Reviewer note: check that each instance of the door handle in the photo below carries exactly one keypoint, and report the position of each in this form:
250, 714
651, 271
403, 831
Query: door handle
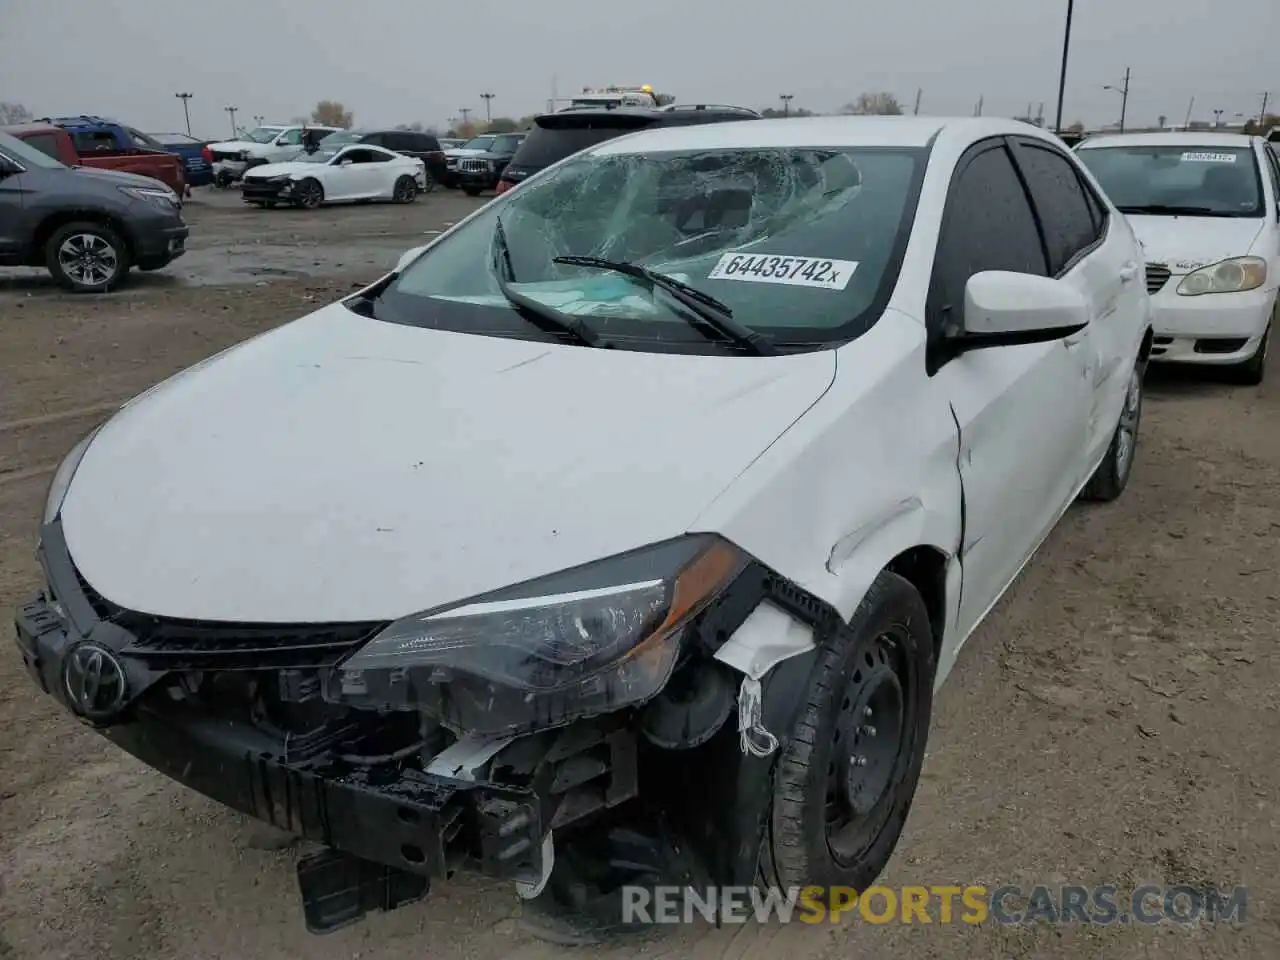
1128, 272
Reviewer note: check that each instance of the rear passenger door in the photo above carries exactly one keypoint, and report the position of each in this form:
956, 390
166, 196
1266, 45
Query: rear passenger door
1022, 411
1101, 260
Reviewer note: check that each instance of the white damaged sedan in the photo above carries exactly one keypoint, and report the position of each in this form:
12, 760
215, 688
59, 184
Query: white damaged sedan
336, 174
643, 511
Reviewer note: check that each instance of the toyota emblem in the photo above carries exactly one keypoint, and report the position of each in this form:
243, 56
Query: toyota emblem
94, 681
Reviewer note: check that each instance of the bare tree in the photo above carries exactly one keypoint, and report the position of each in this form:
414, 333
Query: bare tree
878, 103
13, 113
332, 113
774, 113
502, 125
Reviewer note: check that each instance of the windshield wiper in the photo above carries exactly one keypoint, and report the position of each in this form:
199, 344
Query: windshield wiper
1172, 210
705, 307
539, 314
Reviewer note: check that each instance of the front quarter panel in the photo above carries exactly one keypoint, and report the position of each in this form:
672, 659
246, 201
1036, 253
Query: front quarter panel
866, 474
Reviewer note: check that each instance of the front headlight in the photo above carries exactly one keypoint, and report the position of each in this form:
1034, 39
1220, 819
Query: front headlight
1229, 276
157, 196
587, 641
62, 477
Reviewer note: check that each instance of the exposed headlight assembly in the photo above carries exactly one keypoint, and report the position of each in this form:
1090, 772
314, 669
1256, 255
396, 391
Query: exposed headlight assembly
1228, 276
590, 640
62, 477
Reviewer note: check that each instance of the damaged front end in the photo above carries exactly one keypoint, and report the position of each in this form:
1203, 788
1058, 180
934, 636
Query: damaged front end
596, 705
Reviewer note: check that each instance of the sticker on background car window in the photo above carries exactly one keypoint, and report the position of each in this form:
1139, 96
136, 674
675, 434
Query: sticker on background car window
793, 271
1209, 158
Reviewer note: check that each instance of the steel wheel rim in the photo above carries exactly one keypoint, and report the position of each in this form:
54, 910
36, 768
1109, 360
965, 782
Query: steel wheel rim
1127, 433
88, 259
870, 749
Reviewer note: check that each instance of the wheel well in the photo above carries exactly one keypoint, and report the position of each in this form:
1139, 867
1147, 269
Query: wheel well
1144, 351
925, 568
54, 221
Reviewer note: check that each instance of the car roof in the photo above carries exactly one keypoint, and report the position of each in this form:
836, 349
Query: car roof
1172, 138
842, 131
20, 130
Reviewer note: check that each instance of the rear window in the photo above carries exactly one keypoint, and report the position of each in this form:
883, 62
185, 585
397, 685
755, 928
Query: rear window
547, 145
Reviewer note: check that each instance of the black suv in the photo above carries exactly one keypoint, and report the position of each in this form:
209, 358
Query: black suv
409, 142
557, 135
483, 171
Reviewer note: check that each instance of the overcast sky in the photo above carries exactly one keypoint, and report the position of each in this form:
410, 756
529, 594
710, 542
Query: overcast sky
397, 61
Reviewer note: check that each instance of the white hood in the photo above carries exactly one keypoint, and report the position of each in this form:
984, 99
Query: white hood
1188, 243
290, 167
340, 468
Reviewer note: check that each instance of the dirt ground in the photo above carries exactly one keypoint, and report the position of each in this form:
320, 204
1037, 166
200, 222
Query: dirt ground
1114, 722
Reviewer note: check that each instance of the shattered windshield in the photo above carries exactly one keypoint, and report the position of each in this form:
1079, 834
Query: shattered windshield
801, 242
262, 134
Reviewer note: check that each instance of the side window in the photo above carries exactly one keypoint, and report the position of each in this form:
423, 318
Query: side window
380, 140
141, 141
1069, 224
290, 138
1273, 162
46, 143
97, 142
987, 225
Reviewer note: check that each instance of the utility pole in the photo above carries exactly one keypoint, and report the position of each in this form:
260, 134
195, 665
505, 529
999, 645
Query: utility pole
1124, 96
919, 94
184, 97
488, 117
1190, 106
1040, 115
232, 111
977, 111
1262, 117
1062, 73
786, 99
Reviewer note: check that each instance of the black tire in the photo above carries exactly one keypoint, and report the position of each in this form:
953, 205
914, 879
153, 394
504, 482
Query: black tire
883, 663
102, 264
310, 194
1112, 475
1254, 370
405, 190
471, 191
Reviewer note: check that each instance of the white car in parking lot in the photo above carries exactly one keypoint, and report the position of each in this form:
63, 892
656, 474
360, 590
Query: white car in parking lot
1206, 207
336, 174
709, 446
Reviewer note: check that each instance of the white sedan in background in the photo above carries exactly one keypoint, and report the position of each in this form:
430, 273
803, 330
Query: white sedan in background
791, 403
358, 172
1206, 207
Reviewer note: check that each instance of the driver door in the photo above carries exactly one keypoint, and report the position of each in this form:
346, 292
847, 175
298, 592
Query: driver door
354, 176
1022, 411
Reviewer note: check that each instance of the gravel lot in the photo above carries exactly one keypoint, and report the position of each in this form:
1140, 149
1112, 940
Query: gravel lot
1114, 722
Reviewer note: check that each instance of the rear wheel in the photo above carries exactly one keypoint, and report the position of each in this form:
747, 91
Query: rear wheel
310, 194
846, 778
87, 257
406, 190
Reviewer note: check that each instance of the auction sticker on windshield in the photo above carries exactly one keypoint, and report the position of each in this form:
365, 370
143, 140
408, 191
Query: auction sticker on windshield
1209, 158
793, 271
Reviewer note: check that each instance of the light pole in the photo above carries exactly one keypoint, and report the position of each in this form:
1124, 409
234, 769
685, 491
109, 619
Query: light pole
488, 117
1124, 96
259, 119
232, 112
1217, 117
786, 99
184, 97
1062, 73
464, 111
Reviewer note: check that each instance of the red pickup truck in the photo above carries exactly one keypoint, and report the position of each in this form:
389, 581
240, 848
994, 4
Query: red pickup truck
57, 143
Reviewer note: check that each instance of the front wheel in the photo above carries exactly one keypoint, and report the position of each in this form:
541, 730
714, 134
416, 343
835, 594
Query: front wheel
1252, 371
87, 257
1112, 475
848, 774
406, 190
310, 194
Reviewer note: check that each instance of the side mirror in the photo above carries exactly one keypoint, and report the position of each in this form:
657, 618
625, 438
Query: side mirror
7, 167
408, 257
1007, 309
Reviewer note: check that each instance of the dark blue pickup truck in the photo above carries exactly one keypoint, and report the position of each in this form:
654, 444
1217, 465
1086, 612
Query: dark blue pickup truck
196, 159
